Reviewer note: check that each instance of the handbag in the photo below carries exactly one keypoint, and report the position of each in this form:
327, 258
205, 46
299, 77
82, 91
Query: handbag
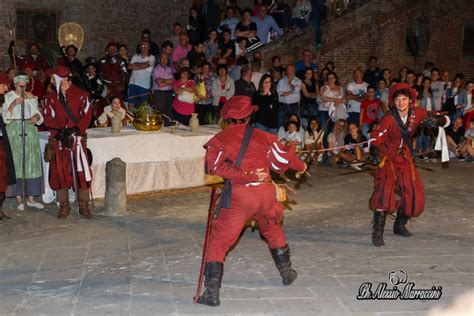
200, 91
186, 96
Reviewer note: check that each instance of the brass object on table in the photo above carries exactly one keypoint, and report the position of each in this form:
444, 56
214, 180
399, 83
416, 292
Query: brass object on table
148, 122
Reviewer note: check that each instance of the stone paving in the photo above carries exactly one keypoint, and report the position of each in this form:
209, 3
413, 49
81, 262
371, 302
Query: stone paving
147, 263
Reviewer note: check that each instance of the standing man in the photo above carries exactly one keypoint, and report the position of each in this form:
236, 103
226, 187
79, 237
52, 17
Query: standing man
373, 73
245, 86
355, 93
114, 70
248, 191
141, 66
146, 37
265, 23
390, 151
163, 81
33, 58
181, 51
7, 167
67, 113
289, 96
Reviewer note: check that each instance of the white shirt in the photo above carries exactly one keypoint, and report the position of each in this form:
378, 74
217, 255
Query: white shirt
142, 77
256, 76
357, 89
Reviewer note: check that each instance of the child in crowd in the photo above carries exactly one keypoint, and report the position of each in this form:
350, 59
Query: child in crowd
369, 109
292, 136
355, 151
382, 95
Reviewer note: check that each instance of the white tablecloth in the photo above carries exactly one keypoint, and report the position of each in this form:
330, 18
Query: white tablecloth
168, 159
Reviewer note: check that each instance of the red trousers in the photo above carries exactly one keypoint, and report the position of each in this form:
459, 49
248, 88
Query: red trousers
398, 176
60, 170
248, 202
3, 167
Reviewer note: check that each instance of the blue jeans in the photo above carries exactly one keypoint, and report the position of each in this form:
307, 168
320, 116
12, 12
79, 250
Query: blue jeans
299, 23
136, 95
423, 142
284, 110
316, 21
266, 129
365, 130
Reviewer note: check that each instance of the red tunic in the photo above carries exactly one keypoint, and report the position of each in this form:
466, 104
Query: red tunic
39, 63
250, 199
56, 119
398, 172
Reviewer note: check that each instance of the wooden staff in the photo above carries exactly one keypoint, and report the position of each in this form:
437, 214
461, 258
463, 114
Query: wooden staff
10, 26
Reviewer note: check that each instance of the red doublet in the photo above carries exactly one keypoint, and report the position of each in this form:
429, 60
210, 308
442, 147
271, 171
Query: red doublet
56, 119
39, 63
398, 173
250, 198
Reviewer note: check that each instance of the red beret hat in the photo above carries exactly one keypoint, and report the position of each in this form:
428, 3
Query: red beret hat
26, 65
238, 107
4, 79
401, 86
60, 71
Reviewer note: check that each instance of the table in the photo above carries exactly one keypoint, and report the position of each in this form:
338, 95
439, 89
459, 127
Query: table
171, 158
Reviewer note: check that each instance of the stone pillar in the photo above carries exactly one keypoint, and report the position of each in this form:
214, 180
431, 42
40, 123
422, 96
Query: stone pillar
116, 187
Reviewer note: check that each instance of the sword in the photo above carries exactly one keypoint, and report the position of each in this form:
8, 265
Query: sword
210, 221
74, 180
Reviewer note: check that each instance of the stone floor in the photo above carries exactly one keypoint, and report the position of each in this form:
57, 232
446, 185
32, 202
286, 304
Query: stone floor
147, 263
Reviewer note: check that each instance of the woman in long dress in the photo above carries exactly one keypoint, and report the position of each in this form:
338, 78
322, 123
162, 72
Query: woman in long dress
34, 185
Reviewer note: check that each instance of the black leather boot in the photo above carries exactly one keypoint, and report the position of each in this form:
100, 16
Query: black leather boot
399, 225
213, 278
281, 256
378, 228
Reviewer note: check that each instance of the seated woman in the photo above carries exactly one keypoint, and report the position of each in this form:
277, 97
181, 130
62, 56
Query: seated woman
116, 107
336, 142
313, 139
246, 28
354, 152
33, 173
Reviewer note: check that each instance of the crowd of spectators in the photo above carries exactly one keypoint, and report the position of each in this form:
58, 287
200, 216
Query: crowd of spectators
199, 66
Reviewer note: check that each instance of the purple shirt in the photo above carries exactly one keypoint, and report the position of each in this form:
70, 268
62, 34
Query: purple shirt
162, 73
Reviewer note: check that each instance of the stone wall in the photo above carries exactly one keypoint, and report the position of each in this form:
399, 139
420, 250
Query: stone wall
378, 28
102, 21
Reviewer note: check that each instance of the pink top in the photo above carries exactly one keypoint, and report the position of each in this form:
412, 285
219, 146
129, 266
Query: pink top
181, 52
179, 106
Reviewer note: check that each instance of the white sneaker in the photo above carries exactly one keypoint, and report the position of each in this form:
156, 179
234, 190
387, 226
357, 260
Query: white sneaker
21, 207
357, 166
37, 205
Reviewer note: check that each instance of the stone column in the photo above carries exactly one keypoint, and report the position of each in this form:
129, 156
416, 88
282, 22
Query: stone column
116, 187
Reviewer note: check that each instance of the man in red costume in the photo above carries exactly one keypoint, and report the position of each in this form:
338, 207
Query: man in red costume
114, 70
7, 168
67, 114
390, 150
249, 192
33, 58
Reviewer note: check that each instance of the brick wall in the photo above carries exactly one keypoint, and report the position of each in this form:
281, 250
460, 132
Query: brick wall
102, 21
378, 28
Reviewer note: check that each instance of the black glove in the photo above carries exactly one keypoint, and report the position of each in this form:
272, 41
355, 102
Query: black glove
66, 138
434, 121
76, 131
374, 155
